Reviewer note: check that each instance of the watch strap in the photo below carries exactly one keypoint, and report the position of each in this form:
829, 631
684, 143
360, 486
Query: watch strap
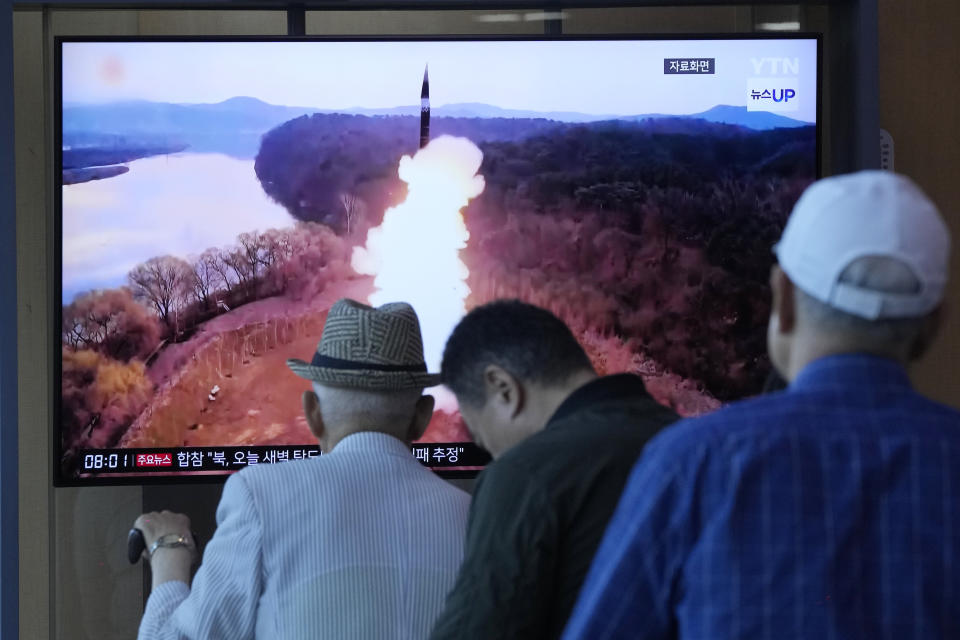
170, 540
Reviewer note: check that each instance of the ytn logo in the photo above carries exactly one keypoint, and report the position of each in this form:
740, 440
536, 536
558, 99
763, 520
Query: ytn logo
776, 66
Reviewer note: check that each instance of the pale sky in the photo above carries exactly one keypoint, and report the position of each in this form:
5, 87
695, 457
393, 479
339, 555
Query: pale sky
593, 77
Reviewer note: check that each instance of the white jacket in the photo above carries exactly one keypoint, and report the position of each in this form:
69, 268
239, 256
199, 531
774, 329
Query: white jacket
363, 542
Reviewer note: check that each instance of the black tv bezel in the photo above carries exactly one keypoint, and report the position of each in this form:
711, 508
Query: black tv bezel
56, 450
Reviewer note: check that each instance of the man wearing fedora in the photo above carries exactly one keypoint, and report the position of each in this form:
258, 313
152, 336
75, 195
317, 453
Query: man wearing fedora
361, 542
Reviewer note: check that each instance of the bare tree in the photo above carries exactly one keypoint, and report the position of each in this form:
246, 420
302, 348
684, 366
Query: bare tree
253, 250
71, 329
164, 283
236, 260
109, 322
207, 276
353, 208
277, 247
247, 259
219, 264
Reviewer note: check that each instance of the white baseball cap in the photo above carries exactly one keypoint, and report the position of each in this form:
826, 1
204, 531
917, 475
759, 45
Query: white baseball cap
867, 214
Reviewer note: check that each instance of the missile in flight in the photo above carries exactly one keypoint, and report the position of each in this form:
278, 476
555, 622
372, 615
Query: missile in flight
425, 110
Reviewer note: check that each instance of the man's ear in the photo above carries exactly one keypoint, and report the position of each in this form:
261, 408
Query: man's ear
503, 390
311, 410
421, 418
928, 332
784, 303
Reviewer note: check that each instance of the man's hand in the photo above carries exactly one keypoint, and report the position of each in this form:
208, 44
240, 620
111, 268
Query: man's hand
167, 563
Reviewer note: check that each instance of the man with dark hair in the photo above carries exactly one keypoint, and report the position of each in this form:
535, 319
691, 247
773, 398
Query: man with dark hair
828, 510
563, 442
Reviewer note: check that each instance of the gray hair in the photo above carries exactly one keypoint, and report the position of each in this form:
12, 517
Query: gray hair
351, 409
875, 273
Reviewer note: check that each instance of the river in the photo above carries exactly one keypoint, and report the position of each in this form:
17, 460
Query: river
179, 204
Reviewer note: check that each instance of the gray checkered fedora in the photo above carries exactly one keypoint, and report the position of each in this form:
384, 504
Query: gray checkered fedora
375, 349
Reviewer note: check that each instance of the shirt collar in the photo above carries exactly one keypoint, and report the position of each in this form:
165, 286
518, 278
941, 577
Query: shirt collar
851, 370
603, 389
367, 441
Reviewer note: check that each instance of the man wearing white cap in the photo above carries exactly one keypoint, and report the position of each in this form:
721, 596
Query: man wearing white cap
362, 542
830, 510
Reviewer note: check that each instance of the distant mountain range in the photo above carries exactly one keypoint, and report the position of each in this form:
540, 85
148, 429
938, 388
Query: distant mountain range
244, 116
721, 114
726, 114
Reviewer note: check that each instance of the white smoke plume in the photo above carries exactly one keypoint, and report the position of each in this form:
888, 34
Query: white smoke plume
415, 253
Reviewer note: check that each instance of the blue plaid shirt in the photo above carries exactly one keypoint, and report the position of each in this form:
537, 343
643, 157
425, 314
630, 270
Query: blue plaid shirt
828, 511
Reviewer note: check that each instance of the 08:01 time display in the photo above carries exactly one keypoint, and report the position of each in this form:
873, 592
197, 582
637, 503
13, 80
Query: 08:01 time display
101, 460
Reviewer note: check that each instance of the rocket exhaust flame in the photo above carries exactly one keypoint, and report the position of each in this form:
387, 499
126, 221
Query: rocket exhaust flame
415, 253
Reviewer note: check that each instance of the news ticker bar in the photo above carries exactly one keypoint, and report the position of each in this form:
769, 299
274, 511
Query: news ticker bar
436, 455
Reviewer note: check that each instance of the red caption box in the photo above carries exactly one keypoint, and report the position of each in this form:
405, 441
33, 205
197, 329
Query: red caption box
154, 459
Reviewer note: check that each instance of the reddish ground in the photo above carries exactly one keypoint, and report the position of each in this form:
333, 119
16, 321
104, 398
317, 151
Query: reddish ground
258, 405
172, 358
244, 353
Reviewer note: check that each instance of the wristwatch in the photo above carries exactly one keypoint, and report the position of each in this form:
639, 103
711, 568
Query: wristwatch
170, 540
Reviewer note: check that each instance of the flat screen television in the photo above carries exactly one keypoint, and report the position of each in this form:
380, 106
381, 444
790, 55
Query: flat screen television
215, 197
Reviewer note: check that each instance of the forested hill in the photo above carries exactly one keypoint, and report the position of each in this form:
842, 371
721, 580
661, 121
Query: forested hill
312, 164
651, 234
720, 188
685, 154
